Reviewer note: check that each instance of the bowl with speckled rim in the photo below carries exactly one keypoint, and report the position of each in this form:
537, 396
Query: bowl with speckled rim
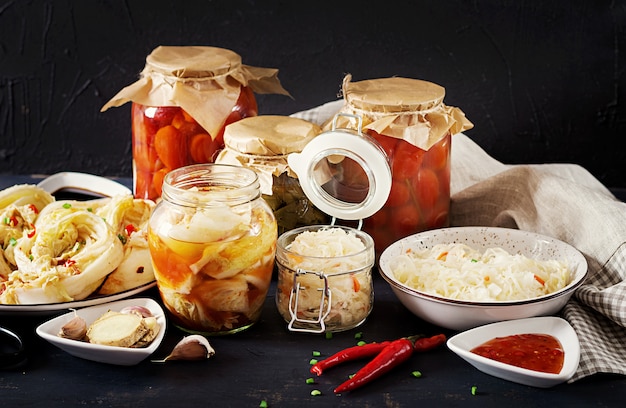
463, 314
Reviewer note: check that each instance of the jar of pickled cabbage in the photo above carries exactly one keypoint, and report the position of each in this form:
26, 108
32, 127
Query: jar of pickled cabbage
212, 240
409, 120
181, 104
325, 271
324, 278
263, 143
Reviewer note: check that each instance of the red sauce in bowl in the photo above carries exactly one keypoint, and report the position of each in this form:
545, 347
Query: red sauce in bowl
538, 352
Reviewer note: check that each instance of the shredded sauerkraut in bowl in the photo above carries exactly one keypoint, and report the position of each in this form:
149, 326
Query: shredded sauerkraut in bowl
458, 271
344, 259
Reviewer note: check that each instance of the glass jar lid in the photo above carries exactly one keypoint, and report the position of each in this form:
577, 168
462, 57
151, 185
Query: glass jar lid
345, 174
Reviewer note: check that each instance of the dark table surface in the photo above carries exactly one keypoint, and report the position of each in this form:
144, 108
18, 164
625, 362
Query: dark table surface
267, 362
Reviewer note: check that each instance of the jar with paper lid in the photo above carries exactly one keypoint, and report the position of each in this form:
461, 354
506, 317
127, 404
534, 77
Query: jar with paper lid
184, 98
408, 118
325, 271
263, 144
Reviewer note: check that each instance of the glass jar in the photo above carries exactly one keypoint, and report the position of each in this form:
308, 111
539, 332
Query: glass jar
212, 241
325, 271
263, 143
181, 104
408, 119
319, 290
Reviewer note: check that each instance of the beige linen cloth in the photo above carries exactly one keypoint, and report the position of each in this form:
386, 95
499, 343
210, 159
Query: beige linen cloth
563, 201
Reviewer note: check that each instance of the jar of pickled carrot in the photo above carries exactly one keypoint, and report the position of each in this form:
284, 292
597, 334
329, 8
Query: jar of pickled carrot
409, 120
181, 104
212, 240
263, 143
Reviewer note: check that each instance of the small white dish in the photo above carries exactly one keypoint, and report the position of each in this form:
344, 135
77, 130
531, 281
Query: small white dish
83, 183
462, 343
96, 352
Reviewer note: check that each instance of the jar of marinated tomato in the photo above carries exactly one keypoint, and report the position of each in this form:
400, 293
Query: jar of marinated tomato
325, 271
263, 143
409, 120
180, 105
212, 240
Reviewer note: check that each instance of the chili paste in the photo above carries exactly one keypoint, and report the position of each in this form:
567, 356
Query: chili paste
538, 352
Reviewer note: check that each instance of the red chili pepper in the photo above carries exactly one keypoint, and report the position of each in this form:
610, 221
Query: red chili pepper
130, 228
395, 353
32, 232
429, 343
33, 208
349, 354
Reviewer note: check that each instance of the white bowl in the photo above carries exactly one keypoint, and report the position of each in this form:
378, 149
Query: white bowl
104, 354
462, 343
463, 315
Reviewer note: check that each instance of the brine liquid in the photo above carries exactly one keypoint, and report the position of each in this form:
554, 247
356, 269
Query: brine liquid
216, 287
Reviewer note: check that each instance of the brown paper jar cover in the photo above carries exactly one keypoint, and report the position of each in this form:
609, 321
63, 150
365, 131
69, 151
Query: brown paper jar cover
205, 81
404, 108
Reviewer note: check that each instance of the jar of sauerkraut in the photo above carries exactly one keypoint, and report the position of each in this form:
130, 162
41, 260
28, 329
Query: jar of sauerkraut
184, 98
212, 241
324, 278
263, 143
325, 271
409, 120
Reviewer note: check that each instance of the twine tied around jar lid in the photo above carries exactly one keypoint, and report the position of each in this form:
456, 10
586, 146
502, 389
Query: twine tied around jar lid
264, 142
404, 108
204, 81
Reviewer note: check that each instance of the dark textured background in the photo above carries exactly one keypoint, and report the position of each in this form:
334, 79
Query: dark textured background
543, 81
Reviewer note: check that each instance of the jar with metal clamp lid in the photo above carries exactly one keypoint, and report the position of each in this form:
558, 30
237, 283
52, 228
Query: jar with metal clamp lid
325, 271
408, 118
263, 144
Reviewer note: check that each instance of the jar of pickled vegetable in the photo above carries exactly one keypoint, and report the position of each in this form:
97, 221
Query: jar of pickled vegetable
180, 105
325, 271
263, 143
212, 240
409, 120
324, 278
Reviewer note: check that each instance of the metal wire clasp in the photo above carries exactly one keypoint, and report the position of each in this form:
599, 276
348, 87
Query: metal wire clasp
324, 308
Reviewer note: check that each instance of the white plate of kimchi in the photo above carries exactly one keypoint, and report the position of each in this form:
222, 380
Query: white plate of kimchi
60, 254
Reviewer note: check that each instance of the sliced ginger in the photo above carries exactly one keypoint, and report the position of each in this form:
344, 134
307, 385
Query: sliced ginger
122, 330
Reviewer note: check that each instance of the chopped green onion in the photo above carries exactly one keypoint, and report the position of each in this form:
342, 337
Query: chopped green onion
122, 238
474, 260
351, 375
67, 206
263, 404
89, 209
310, 380
361, 343
13, 241
329, 335
313, 361
6, 220
358, 335
416, 374
316, 353
474, 388
316, 392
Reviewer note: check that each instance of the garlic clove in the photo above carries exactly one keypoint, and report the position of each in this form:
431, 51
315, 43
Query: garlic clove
75, 329
140, 310
193, 347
